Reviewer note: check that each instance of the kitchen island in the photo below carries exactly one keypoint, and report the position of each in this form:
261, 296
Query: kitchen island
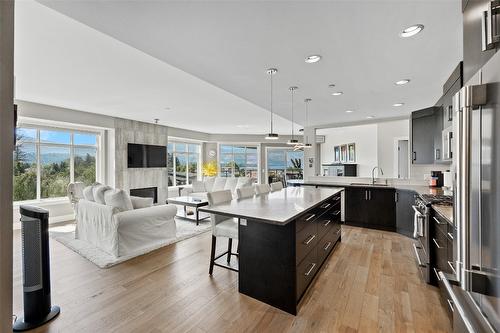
284, 238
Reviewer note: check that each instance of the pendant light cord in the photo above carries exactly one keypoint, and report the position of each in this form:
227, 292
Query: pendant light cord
292, 112
271, 103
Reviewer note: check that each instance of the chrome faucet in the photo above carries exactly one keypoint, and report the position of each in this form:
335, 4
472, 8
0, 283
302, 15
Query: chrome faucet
373, 173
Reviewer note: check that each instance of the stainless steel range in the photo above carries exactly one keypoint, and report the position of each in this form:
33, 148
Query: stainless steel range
421, 234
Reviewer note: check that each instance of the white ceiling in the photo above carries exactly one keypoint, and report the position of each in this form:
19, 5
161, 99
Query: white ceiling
229, 45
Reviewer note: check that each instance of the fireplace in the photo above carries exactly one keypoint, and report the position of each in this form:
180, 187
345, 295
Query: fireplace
146, 192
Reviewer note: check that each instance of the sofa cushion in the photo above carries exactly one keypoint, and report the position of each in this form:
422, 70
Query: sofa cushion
98, 193
219, 184
209, 183
88, 193
231, 184
140, 202
198, 186
118, 199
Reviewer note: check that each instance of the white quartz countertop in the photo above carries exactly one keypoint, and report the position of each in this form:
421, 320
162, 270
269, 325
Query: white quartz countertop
279, 207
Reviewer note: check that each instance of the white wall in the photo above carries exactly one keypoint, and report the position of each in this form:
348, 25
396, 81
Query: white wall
365, 138
387, 132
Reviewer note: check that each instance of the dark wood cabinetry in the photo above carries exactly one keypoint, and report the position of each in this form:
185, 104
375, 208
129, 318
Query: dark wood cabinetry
423, 127
404, 212
371, 207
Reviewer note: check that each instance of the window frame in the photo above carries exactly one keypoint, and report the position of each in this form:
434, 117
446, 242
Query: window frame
233, 144
285, 150
187, 153
71, 145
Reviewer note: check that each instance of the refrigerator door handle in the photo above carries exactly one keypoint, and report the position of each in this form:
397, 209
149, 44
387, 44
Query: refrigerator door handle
469, 98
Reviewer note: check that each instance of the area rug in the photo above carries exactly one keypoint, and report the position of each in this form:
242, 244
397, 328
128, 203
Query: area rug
66, 236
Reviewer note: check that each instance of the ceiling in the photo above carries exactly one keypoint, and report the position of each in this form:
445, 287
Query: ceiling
207, 60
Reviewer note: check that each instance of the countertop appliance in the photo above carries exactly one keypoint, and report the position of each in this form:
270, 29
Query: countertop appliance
477, 203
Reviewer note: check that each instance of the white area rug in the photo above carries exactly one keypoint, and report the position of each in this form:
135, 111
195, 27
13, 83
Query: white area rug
66, 236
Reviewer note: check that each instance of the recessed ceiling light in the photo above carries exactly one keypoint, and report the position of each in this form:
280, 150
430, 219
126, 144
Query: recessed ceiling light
401, 82
337, 93
349, 111
398, 104
412, 30
313, 58
243, 126
370, 117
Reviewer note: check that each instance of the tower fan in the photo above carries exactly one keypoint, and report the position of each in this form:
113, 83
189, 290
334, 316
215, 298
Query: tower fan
36, 269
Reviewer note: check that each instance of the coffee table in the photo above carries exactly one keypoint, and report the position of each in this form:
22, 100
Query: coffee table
188, 201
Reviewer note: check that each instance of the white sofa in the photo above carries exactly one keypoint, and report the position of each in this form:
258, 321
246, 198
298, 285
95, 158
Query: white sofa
123, 229
200, 188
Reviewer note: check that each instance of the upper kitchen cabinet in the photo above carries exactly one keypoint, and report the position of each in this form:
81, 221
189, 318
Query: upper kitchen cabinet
423, 128
475, 34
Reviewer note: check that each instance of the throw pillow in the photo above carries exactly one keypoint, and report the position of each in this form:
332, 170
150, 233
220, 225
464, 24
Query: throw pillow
198, 186
209, 183
140, 202
98, 192
88, 193
219, 184
118, 199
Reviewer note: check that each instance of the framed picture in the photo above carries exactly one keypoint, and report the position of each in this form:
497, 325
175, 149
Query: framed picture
336, 154
351, 152
343, 153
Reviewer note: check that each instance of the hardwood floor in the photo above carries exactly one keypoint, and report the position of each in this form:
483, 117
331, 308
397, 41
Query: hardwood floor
370, 283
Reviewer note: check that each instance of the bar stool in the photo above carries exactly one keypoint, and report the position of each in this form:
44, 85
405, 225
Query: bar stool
262, 188
276, 186
245, 192
222, 227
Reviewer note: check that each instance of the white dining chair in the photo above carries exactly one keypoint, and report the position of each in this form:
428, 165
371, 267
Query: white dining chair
262, 189
276, 186
245, 192
222, 226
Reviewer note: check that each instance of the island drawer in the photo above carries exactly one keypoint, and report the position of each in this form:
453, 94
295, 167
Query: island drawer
440, 224
325, 224
326, 244
306, 271
306, 240
306, 220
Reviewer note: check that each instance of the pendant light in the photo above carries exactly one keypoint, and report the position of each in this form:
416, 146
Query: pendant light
306, 137
292, 141
272, 135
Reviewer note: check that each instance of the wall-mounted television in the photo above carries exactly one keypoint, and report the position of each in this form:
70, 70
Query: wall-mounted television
146, 156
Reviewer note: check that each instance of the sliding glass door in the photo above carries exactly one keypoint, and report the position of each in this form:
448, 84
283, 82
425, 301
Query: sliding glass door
283, 164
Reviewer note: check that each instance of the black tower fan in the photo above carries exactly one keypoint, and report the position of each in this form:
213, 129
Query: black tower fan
36, 269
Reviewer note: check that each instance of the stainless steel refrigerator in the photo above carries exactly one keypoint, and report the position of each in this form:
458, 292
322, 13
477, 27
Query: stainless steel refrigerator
477, 202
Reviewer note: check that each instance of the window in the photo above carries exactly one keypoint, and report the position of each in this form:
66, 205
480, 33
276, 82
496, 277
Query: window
47, 160
238, 161
284, 164
183, 163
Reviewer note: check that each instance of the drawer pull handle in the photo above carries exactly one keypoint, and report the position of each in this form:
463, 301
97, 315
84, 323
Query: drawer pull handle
338, 231
337, 212
437, 244
327, 223
311, 217
310, 239
437, 275
327, 246
325, 206
450, 235
417, 256
310, 269
337, 198
450, 304
437, 221
452, 267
